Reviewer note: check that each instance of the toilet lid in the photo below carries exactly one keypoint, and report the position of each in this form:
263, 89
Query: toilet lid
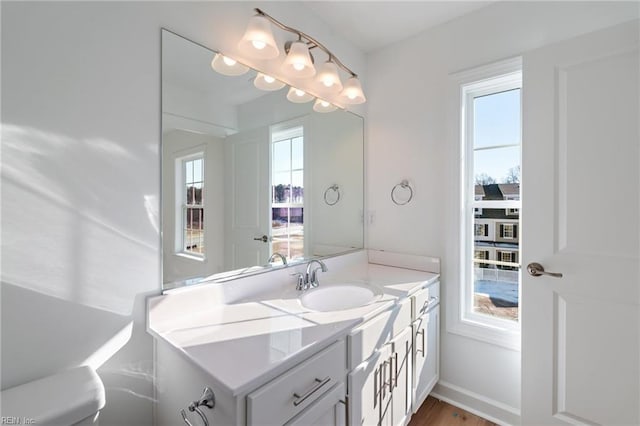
60, 399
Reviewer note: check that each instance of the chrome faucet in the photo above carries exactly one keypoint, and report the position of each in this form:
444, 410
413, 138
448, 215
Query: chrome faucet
311, 277
275, 255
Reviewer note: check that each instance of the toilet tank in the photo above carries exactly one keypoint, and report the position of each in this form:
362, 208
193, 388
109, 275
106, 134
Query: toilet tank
72, 397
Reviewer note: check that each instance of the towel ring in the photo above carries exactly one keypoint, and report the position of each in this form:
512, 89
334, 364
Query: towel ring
404, 185
334, 188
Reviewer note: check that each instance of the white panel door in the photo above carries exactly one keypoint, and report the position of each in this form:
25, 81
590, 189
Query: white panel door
580, 332
247, 199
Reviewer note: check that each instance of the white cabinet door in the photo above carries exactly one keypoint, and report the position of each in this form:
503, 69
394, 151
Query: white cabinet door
426, 355
369, 396
328, 410
580, 162
401, 360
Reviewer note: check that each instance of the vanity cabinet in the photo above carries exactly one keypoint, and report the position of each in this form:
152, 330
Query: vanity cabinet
312, 392
400, 349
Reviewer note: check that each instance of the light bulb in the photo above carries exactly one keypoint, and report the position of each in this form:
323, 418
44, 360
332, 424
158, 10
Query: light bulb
227, 66
298, 96
328, 78
227, 60
258, 41
352, 92
259, 44
298, 63
323, 106
266, 82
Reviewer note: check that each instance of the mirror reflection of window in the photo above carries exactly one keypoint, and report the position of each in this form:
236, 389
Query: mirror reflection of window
287, 192
192, 225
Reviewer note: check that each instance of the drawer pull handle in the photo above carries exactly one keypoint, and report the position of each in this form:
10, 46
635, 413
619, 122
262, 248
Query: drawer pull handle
319, 383
421, 350
396, 370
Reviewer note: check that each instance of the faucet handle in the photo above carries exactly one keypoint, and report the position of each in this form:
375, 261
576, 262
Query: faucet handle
300, 281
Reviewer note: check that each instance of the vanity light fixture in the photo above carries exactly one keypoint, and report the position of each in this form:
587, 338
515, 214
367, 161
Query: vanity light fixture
352, 92
228, 66
323, 106
299, 62
299, 96
258, 39
266, 82
328, 76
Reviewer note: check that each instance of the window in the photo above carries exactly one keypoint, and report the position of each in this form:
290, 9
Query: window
491, 185
508, 230
481, 230
287, 192
191, 191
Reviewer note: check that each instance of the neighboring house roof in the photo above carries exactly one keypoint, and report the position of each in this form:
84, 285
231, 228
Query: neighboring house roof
492, 192
479, 190
509, 189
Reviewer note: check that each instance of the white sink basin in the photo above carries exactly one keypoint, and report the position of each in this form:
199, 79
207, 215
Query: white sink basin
337, 297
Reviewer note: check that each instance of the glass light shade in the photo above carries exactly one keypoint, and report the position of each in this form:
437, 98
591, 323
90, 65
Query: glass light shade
298, 61
328, 77
258, 41
352, 92
227, 66
324, 106
299, 96
266, 82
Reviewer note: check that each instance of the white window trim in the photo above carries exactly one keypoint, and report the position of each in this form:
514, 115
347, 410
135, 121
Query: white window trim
459, 321
186, 155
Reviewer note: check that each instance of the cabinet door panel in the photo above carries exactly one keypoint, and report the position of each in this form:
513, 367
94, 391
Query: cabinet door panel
401, 371
426, 356
369, 396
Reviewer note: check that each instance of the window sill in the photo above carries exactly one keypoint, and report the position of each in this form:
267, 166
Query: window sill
191, 257
505, 337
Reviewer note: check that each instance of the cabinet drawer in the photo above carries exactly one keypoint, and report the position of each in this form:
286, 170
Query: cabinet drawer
425, 299
371, 335
275, 402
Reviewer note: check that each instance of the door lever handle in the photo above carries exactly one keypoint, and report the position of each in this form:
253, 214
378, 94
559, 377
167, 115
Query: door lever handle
264, 238
535, 270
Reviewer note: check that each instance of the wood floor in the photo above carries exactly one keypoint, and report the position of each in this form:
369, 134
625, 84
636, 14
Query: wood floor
438, 413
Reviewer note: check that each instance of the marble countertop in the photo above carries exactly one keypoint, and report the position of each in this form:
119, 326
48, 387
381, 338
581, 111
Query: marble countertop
252, 340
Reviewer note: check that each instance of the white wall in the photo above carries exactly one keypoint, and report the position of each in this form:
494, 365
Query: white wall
408, 137
81, 181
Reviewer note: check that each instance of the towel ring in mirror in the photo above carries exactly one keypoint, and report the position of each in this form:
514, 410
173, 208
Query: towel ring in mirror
402, 185
332, 195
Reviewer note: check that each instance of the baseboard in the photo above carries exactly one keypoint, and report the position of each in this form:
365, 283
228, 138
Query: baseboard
477, 404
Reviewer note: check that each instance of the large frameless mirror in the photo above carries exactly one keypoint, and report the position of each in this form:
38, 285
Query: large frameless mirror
250, 180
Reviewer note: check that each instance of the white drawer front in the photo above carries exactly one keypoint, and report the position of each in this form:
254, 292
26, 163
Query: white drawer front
276, 402
371, 335
425, 299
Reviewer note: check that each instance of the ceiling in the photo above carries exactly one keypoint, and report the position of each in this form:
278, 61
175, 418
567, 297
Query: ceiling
371, 25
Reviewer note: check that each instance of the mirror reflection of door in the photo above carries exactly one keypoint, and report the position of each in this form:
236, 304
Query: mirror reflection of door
247, 193
287, 192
